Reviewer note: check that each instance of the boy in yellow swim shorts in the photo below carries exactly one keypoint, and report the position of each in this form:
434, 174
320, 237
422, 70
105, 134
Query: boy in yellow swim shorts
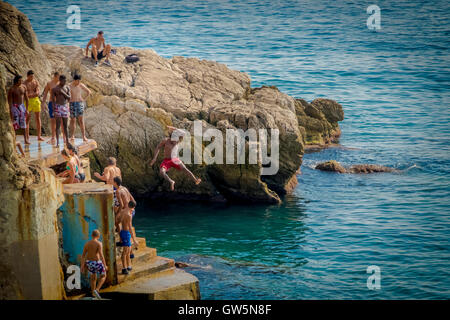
34, 103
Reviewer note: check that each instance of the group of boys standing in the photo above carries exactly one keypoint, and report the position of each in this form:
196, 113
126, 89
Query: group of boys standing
24, 99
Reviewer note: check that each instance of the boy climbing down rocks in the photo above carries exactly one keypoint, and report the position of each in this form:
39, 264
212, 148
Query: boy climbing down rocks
126, 234
94, 261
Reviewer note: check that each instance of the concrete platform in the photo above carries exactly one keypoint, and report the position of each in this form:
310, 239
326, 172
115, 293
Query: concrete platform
87, 188
178, 285
46, 155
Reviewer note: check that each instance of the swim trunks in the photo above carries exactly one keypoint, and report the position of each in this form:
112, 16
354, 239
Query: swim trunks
116, 201
50, 110
19, 113
125, 238
171, 163
34, 104
61, 110
99, 55
76, 109
95, 267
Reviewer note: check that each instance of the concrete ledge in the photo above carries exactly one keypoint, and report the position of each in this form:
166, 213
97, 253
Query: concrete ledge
46, 155
179, 285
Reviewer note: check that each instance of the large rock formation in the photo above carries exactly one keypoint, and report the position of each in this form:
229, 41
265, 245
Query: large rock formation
20, 50
132, 104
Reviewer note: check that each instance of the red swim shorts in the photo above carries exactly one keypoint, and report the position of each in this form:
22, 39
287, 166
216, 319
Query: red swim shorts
171, 163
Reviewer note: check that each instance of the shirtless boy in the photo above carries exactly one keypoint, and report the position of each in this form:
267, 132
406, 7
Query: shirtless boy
123, 198
109, 173
60, 97
49, 86
100, 50
126, 234
34, 104
77, 105
17, 95
94, 261
171, 158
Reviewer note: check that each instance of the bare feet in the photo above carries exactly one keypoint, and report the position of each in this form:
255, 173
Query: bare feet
85, 139
197, 181
27, 142
40, 139
51, 141
172, 185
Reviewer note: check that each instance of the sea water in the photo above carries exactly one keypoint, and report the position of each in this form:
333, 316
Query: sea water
394, 85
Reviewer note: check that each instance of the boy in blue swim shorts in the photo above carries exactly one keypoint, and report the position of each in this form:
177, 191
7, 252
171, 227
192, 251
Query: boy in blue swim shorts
48, 87
126, 234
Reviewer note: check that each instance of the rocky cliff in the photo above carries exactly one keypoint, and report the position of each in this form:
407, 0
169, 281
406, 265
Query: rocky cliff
132, 104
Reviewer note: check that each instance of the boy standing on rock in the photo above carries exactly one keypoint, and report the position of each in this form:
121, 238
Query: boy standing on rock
94, 261
60, 97
77, 105
34, 103
171, 158
17, 95
126, 234
48, 88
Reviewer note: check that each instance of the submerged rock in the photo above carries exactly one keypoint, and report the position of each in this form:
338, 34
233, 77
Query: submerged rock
335, 166
369, 168
332, 165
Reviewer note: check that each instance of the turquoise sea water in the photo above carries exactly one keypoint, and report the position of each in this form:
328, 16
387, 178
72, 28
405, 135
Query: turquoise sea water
394, 86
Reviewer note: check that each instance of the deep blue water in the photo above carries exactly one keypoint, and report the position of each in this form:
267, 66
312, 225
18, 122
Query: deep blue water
394, 85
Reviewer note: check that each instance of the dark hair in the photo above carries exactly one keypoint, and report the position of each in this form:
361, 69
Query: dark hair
76, 77
62, 77
71, 147
17, 78
64, 153
118, 180
30, 72
100, 32
131, 204
111, 161
56, 73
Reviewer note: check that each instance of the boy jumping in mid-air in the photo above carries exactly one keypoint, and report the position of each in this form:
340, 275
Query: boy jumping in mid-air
94, 261
171, 158
126, 234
